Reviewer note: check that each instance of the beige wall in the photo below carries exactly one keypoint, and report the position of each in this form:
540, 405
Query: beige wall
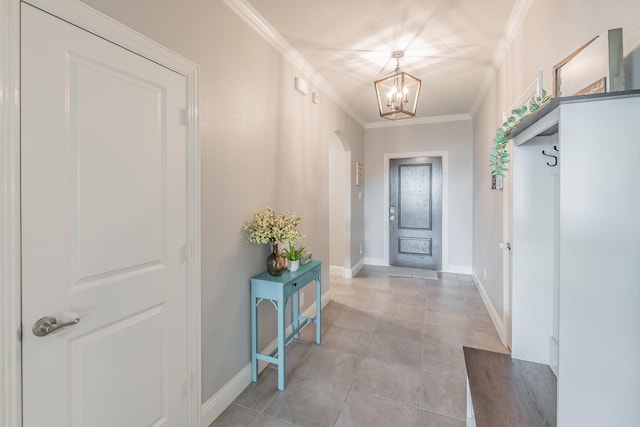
550, 32
454, 138
263, 144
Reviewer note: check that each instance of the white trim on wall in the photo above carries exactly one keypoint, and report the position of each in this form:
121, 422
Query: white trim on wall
212, 408
266, 30
253, 18
518, 13
418, 121
83, 16
10, 309
346, 204
347, 273
351, 272
445, 200
493, 313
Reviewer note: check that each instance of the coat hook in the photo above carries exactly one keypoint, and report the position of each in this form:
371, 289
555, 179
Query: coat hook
555, 158
555, 147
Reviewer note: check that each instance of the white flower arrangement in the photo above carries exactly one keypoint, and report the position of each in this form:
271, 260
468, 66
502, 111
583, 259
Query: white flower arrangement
267, 227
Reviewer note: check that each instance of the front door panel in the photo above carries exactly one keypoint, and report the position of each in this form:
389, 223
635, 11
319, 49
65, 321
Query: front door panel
415, 212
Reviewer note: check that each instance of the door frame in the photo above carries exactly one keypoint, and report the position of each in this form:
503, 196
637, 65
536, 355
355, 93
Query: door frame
445, 199
80, 14
507, 255
346, 270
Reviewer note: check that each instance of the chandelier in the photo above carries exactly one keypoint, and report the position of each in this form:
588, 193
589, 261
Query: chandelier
398, 92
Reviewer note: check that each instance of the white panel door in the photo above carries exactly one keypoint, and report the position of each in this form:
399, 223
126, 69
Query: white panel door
104, 227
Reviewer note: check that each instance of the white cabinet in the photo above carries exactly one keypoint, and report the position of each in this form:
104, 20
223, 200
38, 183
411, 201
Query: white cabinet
576, 250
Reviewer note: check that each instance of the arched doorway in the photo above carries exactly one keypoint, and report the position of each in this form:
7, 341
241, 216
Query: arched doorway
339, 205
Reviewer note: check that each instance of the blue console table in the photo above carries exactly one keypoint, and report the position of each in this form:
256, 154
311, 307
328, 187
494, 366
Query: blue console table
278, 289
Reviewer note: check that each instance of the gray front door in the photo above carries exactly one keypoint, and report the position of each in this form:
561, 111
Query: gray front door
415, 212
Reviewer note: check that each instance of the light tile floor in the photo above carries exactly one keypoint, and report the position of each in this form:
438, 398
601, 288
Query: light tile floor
391, 355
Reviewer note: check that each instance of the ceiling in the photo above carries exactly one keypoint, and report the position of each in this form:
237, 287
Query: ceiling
449, 44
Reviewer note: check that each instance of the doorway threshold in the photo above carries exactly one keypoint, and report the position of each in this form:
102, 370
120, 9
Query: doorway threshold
418, 273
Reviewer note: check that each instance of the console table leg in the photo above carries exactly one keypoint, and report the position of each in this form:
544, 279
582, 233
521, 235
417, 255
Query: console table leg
281, 337
318, 310
254, 337
296, 313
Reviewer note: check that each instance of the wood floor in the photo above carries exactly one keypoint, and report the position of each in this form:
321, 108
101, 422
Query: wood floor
510, 392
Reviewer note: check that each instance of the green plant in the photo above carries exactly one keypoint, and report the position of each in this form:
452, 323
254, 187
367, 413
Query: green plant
499, 157
268, 226
293, 254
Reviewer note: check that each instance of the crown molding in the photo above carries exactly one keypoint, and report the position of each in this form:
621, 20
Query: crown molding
258, 23
519, 12
419, 121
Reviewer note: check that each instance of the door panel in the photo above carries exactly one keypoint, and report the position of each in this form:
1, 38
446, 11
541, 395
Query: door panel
414, 194
104, 226
139, 362
97, 146
415, 212
97, 90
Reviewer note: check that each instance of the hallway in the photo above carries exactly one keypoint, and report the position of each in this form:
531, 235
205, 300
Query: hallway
391, 355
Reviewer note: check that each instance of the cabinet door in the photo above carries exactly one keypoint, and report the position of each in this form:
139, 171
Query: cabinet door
599, 313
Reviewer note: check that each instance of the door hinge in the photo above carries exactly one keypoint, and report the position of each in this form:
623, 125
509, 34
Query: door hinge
185, 119
20, 333
186, 251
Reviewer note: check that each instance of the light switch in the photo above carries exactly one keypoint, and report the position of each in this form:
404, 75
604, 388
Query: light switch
300, 85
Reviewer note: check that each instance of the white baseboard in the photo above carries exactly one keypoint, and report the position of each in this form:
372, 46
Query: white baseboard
376, 261
336, 270
458, 269
493, 313
213, 407
349, 273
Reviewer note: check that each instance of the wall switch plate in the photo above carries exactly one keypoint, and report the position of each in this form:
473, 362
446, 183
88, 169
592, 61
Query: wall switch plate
300, 85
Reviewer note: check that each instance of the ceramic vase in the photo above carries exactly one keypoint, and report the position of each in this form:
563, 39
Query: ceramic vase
294, 265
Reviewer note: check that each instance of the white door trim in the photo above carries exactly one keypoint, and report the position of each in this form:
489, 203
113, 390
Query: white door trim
445, 200
10, 309
85, 17
507, 259
347, 272
347, 263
